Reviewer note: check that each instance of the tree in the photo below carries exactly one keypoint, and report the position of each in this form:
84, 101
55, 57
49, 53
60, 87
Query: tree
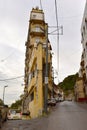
68, 83
17, 104
1, 102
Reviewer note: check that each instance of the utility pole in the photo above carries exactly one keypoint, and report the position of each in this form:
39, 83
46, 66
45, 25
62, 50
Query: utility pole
53, 82
4, 92
46, 73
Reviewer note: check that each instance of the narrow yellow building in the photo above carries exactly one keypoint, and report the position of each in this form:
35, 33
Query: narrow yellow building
35, 64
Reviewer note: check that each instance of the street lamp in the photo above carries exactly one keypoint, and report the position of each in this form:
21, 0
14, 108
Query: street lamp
4, 92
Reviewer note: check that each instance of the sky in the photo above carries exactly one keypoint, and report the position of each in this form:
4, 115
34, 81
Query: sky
14, 21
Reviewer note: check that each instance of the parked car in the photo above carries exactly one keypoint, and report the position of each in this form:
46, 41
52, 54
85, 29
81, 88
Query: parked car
51, 102
14, 114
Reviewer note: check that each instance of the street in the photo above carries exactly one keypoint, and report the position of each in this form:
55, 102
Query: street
67, 115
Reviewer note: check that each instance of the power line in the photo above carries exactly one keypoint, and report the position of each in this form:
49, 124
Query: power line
12, 78
52, 26
72, 16
7, 57
52, 32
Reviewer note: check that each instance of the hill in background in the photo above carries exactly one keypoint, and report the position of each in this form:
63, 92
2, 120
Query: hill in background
67, 85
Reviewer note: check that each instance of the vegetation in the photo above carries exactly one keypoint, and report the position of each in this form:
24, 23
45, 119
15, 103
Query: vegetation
68, 83
17, 104
1, 102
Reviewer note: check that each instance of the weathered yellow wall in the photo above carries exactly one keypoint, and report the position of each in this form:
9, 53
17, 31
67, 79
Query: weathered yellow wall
79, 89
36, 106
40, 82
36, 84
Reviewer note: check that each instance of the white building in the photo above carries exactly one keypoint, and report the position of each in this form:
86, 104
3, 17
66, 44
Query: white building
84, 46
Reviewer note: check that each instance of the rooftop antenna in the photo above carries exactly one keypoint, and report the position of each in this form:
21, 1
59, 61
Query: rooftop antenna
41, 4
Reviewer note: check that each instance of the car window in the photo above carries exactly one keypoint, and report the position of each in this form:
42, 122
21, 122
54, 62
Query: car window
13, 112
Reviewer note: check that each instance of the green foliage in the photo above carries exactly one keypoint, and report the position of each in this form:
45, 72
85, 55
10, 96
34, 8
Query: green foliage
1, 102
17, 104
68, 83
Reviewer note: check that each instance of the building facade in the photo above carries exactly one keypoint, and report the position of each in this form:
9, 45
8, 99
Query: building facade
79, 90
84, 46
81, 83
35, 64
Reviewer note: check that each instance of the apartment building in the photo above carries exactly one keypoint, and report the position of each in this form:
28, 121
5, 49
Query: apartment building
79, 90
81, 83
35, 64
84, 46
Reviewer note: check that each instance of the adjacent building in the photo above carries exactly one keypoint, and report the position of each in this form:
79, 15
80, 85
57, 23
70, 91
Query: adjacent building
35, 64
81, 84
84, 46
79, 90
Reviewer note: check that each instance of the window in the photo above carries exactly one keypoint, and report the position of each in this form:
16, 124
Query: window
84, 29
33, 74
34, 16
82, 37
86, 23
37, 40
29, 79
86, 45
37, 29
32, 96
82, 56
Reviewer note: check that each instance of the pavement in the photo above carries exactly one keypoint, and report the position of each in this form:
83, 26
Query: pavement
66, 115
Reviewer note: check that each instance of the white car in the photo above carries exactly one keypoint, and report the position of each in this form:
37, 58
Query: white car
13, 114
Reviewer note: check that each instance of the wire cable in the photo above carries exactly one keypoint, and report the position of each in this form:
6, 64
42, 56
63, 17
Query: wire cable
7, 56
52, 32
12, 78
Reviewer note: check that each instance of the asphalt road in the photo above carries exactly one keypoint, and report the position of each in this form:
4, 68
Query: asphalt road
65, 116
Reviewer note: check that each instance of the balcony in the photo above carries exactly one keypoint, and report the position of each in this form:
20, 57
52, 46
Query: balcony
33, 59
32, 83
37, 16
37, 31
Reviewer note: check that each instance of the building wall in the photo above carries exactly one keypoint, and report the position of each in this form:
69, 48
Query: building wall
35, 64
84, 37
79, 90
84, 51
